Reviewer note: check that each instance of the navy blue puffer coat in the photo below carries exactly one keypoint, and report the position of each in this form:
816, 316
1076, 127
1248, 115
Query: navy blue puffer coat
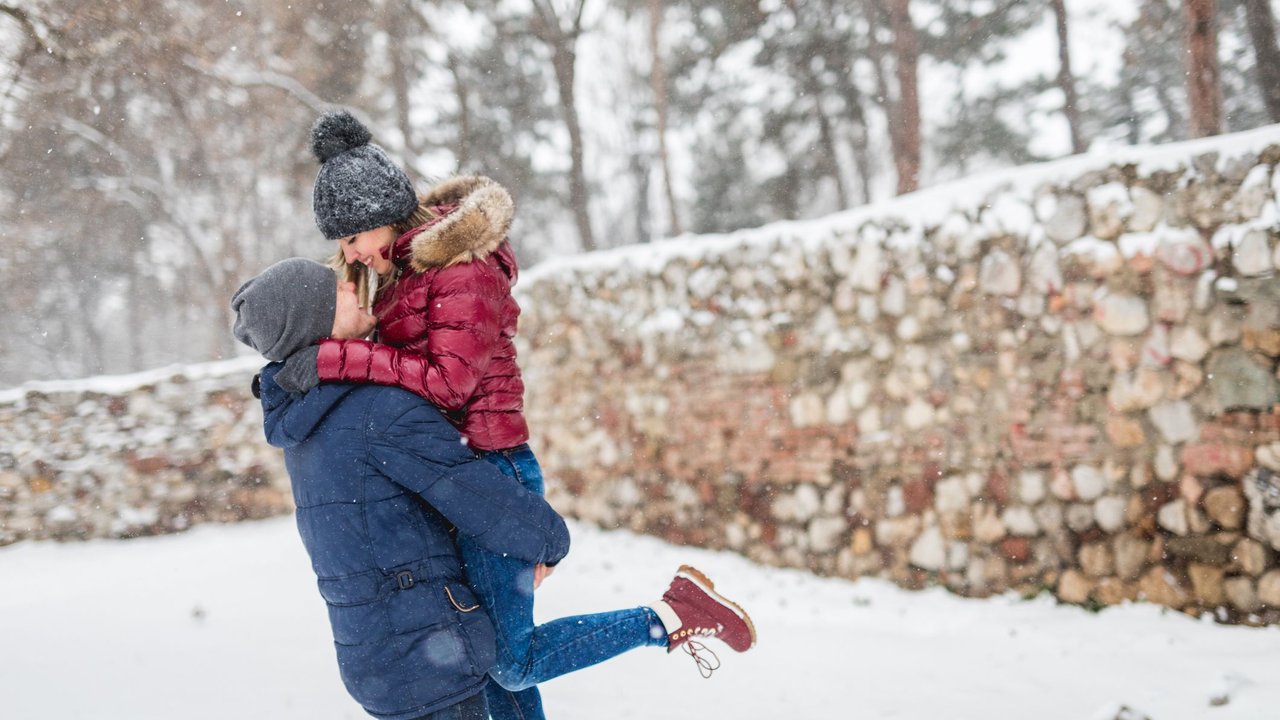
381, 479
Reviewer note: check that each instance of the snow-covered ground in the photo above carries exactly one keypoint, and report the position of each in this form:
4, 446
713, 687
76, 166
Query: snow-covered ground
224, 622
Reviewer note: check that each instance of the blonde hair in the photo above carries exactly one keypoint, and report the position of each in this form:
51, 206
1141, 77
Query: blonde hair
369, 284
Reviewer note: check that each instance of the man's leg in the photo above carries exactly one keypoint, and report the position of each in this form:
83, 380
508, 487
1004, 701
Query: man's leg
507, 704
473, 708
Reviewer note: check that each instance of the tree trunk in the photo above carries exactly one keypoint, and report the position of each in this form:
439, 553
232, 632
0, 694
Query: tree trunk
1067, 80
1167, 98
463, 145
862, 159
1204, 90
548, 27
832, 161
1262, 29
400, 71
858, 137
563, 58
876, 50
658, 80
641, 169
906, 49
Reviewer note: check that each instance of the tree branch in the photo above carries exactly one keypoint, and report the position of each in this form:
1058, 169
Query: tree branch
263, 78
24, 19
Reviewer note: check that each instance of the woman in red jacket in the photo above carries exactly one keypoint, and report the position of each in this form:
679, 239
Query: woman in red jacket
446, 326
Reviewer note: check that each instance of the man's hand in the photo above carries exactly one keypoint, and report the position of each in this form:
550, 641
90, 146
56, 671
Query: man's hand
299, 373
540, 573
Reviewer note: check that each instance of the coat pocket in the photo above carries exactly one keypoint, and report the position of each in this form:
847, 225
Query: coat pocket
475, 624
357, 609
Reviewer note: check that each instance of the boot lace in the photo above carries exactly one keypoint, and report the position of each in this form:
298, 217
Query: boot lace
706, 659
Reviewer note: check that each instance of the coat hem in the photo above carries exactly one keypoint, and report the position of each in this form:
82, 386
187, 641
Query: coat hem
418, 712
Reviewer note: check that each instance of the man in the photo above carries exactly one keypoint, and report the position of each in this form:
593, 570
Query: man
381, 479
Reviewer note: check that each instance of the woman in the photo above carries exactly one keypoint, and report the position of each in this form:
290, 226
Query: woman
446, 322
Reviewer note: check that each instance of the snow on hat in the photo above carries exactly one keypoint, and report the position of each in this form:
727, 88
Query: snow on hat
358, 187
286, 307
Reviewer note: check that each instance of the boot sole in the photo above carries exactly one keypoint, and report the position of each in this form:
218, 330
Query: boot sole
704, 583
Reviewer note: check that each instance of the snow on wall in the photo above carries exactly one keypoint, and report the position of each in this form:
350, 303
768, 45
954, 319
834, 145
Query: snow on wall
1062, 376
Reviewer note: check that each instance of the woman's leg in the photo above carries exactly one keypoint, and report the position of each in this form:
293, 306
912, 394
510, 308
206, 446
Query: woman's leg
528, 655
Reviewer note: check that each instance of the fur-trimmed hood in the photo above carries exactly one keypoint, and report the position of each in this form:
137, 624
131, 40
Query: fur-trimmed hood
473, 230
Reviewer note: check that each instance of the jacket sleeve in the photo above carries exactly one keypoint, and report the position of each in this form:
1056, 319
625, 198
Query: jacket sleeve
423, 453
463, 328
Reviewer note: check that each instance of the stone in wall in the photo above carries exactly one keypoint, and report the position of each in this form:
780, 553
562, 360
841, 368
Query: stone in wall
1148, 209
1110, 207
1121, 314
1251, 253
1262, 490
1239, 380
1185, 252
1064, 216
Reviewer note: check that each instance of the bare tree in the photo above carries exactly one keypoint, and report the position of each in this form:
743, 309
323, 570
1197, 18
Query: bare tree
560, 32
402, 70
1204, 88
658, 81
1262, 30
462, 148
157, 161
1067, 80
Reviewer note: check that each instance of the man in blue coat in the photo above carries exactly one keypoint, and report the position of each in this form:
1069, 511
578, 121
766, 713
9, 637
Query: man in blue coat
381, 481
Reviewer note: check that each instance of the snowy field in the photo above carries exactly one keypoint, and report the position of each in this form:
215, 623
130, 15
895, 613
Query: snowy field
224, 622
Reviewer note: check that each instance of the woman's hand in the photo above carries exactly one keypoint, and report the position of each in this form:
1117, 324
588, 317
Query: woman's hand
540, 573
349, 319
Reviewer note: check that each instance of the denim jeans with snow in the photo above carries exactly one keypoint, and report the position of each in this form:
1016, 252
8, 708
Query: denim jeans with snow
529, 655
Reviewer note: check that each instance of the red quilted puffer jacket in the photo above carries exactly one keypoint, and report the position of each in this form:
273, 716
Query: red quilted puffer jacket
446, 328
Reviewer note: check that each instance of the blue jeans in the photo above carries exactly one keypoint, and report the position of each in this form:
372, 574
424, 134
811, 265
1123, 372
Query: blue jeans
529, 655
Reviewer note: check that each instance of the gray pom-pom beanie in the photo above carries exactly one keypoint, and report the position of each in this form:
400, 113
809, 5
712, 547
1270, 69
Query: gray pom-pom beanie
358, 187
286, 307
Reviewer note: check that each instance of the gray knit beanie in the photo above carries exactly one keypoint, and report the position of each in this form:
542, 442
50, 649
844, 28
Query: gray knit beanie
358, 188
287, 307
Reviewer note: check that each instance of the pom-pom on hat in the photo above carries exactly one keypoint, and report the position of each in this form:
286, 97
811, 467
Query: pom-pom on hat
358, 187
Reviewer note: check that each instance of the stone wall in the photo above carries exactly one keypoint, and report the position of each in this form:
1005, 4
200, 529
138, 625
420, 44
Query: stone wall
141, 455
1061, 379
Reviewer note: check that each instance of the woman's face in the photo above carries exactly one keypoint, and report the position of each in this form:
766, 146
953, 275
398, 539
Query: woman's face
367, 247
349, 319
